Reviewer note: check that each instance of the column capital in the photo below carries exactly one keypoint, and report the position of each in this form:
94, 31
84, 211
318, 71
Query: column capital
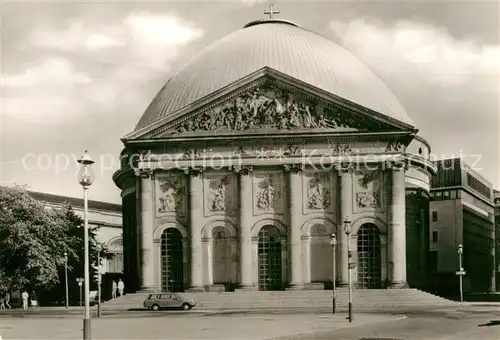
193, 170
145, 173
345, 168
400, 165
242, 169
294, 168
144, 155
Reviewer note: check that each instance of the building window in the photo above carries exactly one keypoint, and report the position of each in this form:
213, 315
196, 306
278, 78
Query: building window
453, 194
434, 236
115, 263
446, 195
434, 216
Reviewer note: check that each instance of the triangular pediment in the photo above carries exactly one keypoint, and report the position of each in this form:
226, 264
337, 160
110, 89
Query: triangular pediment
269, 104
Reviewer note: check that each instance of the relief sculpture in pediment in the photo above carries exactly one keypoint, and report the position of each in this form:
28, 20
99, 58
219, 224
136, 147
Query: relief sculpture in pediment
263, 108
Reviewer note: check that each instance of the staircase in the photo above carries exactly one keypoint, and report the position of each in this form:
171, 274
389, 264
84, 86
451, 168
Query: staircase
312, 299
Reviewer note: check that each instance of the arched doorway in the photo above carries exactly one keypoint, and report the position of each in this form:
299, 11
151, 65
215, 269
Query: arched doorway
269, 248
221, 257
321, 254
369, 257
172, 261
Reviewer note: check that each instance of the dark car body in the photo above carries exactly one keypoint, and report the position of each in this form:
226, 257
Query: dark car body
159, 301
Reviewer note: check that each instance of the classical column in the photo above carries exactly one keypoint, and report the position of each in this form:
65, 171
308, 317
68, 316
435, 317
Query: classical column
306, 255
346, 199
397, 225
246, 209
157, 263
146, 236
196, 223
209, 244
295, 197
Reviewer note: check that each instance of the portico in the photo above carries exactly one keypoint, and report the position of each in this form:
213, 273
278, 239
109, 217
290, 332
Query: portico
269, 227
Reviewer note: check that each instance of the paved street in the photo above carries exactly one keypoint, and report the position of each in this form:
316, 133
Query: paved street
181, 326
466, 323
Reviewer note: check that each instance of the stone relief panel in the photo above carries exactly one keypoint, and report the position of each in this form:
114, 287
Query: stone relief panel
171, 194
319, 190
368, 190
268, 191
220, 194
271, 107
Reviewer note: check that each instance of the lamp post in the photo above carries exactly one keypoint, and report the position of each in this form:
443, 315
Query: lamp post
348, 231
66, 278
99, 249
333, 243
461, 271
79, 280
85, 178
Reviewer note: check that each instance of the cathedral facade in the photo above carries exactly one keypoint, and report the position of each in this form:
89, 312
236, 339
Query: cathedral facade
267, 145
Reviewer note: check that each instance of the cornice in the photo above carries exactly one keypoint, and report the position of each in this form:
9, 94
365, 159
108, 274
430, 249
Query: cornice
289, 138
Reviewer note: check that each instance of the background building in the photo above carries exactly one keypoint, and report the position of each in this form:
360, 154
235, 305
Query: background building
496, 194
461, 212
107, 216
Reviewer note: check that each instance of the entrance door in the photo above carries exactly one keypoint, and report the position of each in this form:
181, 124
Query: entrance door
172, 261
369, 257
270, 259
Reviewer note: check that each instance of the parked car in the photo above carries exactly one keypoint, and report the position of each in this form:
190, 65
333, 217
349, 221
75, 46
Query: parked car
167, 300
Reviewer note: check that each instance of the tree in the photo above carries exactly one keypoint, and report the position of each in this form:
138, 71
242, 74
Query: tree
74, 231
33, 241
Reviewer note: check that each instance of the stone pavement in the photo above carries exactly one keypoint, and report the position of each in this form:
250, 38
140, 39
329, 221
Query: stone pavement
187, 326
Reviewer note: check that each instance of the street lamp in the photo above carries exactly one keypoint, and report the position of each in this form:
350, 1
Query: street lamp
348, 231
66, 277
461, 271
333, 243
85, 178
99, 249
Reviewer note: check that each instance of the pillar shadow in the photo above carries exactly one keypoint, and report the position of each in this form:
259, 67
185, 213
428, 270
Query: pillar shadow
490, 323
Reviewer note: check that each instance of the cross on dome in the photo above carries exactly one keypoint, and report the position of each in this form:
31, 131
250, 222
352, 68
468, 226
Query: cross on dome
271, 12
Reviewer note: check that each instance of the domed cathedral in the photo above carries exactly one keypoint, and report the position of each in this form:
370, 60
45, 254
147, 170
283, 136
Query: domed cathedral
264, 147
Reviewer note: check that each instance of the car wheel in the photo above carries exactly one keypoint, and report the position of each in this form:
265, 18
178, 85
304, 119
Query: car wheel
155, 307
186, 306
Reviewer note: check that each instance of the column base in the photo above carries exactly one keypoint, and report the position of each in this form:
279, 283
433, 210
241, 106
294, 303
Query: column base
215, 288
314, 286
397, 285
296, 286
196, 289
246, 288
148, 289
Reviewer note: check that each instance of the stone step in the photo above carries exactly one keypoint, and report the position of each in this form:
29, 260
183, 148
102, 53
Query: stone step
296, 299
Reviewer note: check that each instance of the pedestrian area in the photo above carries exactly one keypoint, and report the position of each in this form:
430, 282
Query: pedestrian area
191, 326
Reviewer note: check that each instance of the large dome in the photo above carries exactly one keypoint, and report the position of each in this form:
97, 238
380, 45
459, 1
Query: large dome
282, 46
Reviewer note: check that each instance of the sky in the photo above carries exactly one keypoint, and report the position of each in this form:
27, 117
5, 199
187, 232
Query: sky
78, 75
